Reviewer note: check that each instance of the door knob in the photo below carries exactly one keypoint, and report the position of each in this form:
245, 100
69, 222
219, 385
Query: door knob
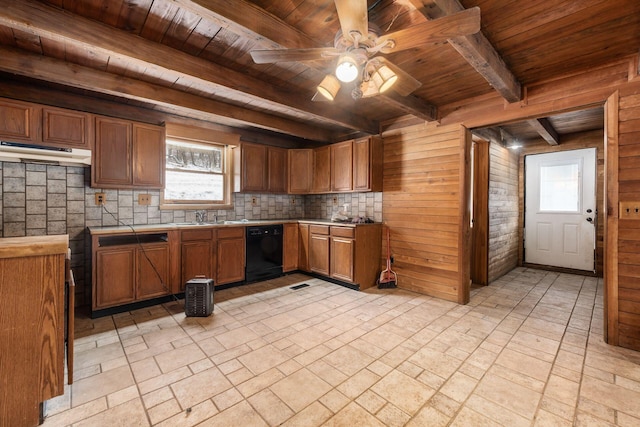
589, 219
589, 211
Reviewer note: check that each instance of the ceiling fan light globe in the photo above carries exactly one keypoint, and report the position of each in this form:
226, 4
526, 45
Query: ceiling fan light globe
329, 87
384, 77
347, 69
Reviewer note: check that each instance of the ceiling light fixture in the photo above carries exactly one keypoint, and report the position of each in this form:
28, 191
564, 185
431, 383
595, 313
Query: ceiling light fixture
347, 69
329, 87
384, 78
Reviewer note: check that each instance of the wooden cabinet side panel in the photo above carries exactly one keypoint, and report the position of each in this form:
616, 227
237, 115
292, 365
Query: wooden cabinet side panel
152, 272
290, 247
115, 274
278, 170
111, 156
319, 253
303, 247
368, 255
148, 155
300, 170
19, 121
66, 128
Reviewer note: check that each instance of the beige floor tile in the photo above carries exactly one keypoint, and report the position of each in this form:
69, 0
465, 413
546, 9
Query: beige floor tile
239, 415
227, 399
353, 416
311, 416
270, 407
100, 385
348, 359
179, 357
130, 414
263, 359
508, 394
459, 387
300, 389
199, 413
163, 411
616, 397
77, 413
358, 383
524, 364
199, 387
403, 391
236, 337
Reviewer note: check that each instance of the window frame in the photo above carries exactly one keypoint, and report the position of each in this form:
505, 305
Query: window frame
227, 173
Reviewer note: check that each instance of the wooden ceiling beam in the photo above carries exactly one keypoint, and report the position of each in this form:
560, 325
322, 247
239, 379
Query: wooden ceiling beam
476, 50
49, 22
173, 101
248, 20
545, 129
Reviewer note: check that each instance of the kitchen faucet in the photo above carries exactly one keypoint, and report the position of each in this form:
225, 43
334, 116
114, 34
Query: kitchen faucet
201, 216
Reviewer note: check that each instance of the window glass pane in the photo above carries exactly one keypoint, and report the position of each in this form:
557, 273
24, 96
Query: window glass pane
193, 186
560, 188
193, 157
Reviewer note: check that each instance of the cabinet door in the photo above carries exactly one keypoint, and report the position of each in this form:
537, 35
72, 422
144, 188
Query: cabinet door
361, 171
319, 253
321, 170
253, 167
197, 260
148, 156
152, 272
303, 247
300, 170
66, 128
115, 275
342, 251
342, 166
111, 157
19, 121
230, 260
277, 167
290, 247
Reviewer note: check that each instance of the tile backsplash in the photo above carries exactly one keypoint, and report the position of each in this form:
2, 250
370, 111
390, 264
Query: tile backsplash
38, 199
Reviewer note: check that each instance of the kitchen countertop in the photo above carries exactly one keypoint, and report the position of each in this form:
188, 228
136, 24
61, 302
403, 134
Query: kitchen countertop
14, 247
148, 228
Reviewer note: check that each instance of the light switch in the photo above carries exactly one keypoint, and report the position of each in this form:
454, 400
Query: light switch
629, 210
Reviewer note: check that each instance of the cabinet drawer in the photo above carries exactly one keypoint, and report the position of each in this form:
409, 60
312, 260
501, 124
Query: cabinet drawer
187, 235
343, 232
319, 229
230, 232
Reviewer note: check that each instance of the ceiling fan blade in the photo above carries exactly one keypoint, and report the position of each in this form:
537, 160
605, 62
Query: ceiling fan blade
462, 23
293, 55
353, 16
405, 83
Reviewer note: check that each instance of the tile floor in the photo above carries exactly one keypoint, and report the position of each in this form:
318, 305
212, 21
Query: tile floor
527, 350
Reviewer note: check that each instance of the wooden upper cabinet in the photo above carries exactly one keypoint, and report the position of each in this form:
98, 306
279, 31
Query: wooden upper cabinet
277, 169
66, 128
127, 154
342, 166
19, 121
300, 170
321, 182
148, 156
367, 164
251, 167
111, 157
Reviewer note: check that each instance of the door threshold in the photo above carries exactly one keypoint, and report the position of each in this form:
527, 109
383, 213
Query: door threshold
561, 269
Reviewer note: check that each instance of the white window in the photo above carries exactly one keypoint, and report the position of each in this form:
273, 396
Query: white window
560, 187
197, 175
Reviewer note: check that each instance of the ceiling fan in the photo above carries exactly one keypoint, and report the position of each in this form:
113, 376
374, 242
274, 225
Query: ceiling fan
357, 46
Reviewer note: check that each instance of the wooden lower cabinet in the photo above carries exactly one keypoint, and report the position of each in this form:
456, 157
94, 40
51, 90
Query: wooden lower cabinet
230, 255
290, 247
125, 271
350, 254
303, 247
196, 255
319, 249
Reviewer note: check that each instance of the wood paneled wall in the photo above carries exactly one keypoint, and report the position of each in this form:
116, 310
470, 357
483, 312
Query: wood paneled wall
504, 212
426, 207
592, 139
622, 264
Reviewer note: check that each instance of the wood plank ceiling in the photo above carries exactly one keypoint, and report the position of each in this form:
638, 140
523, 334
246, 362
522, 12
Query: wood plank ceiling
192, 57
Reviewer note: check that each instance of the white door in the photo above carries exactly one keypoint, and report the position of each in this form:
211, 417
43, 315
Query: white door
560, 207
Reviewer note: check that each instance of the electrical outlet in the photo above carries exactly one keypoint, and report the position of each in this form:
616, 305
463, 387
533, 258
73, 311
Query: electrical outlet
293, 200
144, 199
101, 198
254, 201
629, 210
335, 201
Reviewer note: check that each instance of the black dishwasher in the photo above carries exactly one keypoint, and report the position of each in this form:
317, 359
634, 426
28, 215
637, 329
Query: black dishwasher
264, 252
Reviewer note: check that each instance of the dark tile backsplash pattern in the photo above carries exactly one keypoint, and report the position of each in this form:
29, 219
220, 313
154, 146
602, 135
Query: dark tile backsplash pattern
38, 199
